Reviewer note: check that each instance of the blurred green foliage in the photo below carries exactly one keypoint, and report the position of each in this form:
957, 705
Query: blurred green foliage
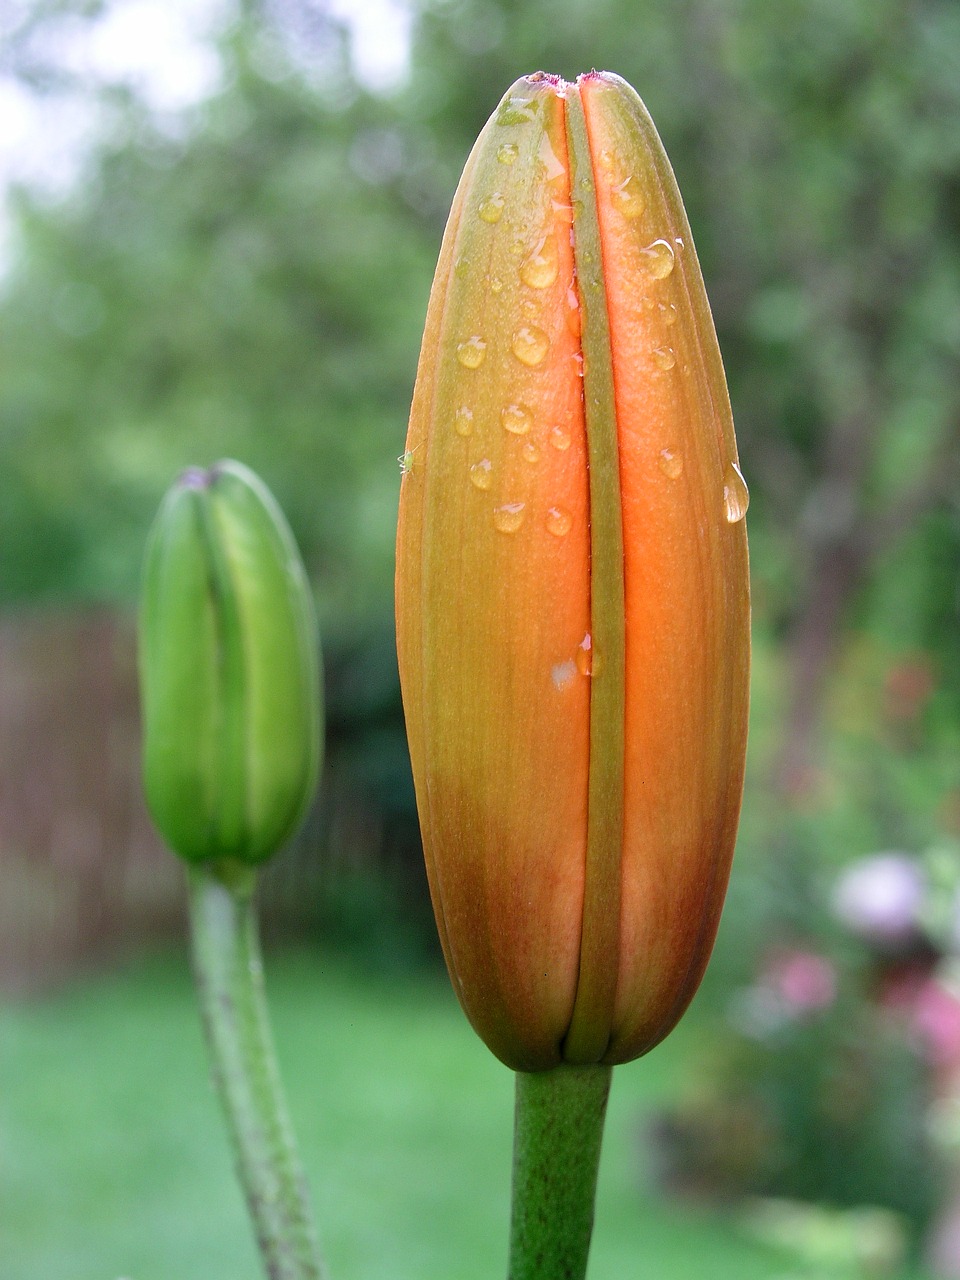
411, 1118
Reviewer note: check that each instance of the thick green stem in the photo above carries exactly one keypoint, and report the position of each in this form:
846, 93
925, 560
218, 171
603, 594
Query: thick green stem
229, 976
556, 1155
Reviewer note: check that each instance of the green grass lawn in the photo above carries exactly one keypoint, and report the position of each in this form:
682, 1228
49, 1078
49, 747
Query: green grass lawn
114, 1162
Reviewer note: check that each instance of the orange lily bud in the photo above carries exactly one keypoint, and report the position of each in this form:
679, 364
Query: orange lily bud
572, 586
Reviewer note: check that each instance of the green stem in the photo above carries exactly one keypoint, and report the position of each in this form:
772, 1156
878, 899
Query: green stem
229, 976
556, 1155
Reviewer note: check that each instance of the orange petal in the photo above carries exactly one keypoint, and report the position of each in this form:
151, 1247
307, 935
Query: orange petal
685, 573
493, 587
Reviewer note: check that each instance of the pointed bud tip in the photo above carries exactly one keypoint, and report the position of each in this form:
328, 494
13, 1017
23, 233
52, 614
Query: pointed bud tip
194, 478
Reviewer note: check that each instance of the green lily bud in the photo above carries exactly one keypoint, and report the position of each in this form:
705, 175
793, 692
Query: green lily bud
229, 670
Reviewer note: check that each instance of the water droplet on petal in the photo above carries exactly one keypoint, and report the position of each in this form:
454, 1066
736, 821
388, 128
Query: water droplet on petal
481, 474
671, 463
584, 656
530, 344
496, 284
491, 209
531, 451
562, 673
540, 269
509, 517
516, 419
658, 259
606, 159
679, 243
559, 438
664, 357
507, 152
629, 198
559, 521
463, 421
471, 353
668, 313
736, 496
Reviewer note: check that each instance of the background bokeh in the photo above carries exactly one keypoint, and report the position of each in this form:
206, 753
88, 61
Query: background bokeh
223, 247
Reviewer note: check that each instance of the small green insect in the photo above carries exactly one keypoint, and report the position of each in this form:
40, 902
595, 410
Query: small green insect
406, 461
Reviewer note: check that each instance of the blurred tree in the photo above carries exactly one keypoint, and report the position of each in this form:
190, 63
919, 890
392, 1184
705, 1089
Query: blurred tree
238, 286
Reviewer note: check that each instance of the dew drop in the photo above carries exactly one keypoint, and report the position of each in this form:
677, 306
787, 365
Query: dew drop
471, 353
559, 438
531, 451
670, 463
529, 308
628, 197
507, 152
561, 673
491, 209
658, 259
540, 269
584, 656
736, 496
664, 357
668, 313
481, 474
530, 344
496, 284
516, 419
577, 359
463, 421
679, 243
606, 159
509, 517
559, 521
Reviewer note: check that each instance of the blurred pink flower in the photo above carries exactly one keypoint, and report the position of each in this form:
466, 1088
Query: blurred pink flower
803, 980
880, 897
936, 1023
792, 985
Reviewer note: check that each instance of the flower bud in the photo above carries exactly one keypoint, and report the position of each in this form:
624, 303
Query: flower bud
229, 670
572, 586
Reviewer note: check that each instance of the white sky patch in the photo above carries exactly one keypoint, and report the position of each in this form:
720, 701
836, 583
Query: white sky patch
164, 51
380, 32
160, 48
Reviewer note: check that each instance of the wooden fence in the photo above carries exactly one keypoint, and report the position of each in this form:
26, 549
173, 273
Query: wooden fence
84, 877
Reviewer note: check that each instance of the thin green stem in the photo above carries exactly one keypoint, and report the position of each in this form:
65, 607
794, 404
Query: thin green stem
229, 976
556, 1154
